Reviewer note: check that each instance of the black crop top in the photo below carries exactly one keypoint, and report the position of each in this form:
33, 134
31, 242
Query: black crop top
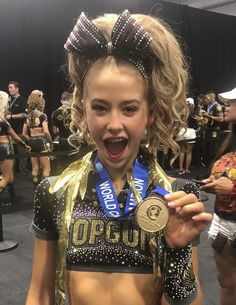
36, 122
4, 126
96, 243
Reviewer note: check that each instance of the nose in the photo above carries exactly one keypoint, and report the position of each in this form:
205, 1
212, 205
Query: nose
115, 123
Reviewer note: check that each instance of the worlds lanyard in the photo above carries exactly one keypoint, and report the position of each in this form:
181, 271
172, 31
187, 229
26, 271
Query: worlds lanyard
106, 192
211, 105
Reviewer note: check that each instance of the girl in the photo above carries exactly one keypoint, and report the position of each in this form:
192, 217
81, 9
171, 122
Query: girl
35, 131
129, 82
6, 148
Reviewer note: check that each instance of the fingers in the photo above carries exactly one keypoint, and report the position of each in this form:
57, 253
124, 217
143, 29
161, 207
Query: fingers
202, 218
179, 199
192, 209
188, 205
207, 186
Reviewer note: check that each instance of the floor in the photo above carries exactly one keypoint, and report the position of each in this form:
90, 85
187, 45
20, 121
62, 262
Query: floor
15, 265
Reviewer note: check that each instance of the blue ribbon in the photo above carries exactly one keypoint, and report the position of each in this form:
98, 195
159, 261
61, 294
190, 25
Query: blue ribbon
160, 191
106, 193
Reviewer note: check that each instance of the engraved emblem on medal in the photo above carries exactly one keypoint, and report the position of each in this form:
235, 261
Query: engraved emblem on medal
152, 214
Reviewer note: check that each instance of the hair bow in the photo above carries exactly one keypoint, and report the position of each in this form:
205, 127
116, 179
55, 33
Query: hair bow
128, 40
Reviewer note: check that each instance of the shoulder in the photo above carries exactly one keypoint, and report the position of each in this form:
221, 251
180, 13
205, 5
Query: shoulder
54, 113
5, 124
42, 189
218, 107
43, 117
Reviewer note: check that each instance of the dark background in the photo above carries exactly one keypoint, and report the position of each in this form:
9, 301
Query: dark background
33, 32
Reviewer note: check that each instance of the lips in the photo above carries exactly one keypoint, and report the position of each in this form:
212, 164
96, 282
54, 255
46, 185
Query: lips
115, 146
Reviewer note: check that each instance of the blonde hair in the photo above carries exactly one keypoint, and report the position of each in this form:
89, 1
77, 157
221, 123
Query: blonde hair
3, 104
36, 101
166, 85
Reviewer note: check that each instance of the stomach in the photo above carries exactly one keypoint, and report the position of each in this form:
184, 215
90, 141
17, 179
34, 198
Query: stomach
4, 139
99, 288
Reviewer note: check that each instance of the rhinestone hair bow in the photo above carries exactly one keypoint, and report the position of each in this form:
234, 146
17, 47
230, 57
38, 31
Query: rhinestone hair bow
128, 41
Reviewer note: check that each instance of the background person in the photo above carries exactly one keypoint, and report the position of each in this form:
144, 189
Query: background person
213, 112
222, 182
61, 119
6, 148
186, 139
16, 115
36, 132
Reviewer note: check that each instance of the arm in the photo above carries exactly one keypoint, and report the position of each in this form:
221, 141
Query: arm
181, 263
42, 285
223, 185
18, 116
54, 130
219, 118
12, 133
25, 132
46, 131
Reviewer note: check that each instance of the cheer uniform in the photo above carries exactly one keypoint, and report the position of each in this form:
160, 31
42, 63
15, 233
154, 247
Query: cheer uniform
98, 243
5, 148
37, 143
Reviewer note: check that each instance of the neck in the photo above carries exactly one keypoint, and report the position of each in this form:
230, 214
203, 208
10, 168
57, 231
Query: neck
118, 177
16, 95
65, 103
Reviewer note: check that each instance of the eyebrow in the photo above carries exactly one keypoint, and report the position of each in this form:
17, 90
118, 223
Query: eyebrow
125, 102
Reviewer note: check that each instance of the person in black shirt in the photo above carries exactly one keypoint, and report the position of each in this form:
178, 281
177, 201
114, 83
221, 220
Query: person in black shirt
61, 119
16, 116
214, 114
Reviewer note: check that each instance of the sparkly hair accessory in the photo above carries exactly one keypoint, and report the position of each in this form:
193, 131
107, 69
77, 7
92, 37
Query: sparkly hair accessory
128, 40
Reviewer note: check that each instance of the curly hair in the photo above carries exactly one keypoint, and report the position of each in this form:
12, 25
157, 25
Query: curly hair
36, 104
166, 84
36, 101
3, 104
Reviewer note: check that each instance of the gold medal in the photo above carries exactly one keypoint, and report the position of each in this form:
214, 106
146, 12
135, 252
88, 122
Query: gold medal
152, 214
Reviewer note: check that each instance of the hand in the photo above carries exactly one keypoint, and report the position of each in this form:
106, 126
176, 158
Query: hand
187, 219
50, 146
28, 148
223, 185
206, 115
8, 116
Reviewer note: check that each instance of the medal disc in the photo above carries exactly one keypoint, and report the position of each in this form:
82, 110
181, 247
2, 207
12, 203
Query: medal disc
152, 214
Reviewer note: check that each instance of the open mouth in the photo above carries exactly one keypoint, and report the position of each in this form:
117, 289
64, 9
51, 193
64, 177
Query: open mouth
115, 146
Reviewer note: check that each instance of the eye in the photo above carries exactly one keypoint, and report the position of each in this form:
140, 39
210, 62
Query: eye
130, 110
99, 108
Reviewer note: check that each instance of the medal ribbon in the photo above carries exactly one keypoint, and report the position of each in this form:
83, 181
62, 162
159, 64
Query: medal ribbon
106, 192
160, 191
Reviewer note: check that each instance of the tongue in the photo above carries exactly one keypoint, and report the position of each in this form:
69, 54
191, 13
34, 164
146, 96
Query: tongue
115, 148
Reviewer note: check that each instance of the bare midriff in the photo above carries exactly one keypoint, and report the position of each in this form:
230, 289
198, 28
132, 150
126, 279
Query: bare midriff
4, 139
99, 288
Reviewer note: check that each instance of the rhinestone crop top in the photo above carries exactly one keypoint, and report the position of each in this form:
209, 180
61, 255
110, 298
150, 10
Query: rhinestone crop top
96, 243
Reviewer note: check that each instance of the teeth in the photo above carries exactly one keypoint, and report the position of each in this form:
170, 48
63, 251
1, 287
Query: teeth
117, 140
